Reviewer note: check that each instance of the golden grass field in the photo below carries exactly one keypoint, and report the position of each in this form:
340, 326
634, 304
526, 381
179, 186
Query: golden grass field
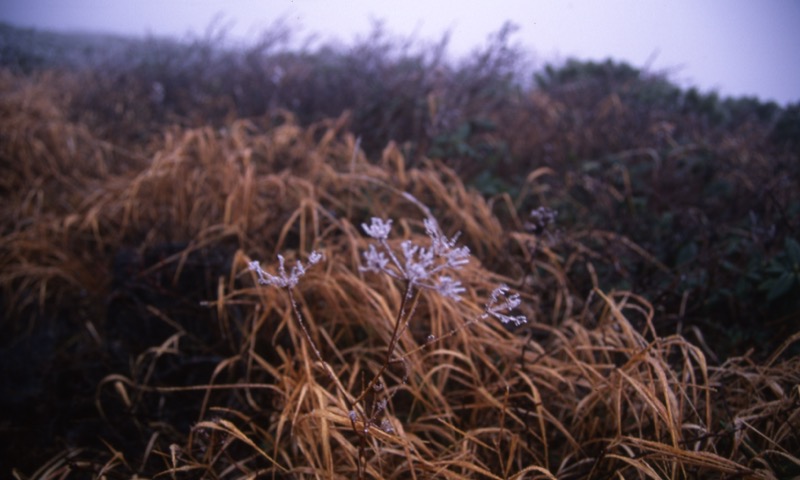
179, 365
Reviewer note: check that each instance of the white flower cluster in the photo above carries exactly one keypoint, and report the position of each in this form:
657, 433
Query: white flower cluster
423, 267
283, 279
500, 302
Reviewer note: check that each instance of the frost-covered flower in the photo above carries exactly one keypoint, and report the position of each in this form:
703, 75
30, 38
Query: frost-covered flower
448, 287
379, 229
540, 219
423, 267
314, 257
282, 279
419, 262
455, 257
500, 302
376, 261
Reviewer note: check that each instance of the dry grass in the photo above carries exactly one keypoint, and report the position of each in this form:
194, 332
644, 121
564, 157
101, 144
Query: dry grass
140, 260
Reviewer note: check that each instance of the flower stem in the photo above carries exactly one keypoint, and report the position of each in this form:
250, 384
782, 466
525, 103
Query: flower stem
328, 370
411, 295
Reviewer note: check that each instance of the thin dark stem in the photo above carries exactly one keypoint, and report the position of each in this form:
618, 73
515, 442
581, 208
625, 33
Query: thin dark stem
317, 353
445, 336
345, 394
303, 324
409, 296
407, 308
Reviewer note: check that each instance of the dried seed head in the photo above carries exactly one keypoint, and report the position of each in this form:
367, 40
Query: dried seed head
500, 302
421, 266
386, 426
282, 279
379, 229
540, 219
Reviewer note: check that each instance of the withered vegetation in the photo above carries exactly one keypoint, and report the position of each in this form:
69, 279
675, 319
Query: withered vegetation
136, 342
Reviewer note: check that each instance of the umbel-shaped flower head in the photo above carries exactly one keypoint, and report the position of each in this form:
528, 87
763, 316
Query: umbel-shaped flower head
378, 229
282, 279
423, 267
500, 302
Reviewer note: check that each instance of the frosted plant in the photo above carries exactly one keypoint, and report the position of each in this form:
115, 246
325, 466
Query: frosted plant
421, 267
283, 280
379, 229
450, 288
540, 219
500, 302
287, 281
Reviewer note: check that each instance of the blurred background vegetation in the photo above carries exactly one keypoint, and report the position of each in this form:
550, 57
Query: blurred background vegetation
705, 184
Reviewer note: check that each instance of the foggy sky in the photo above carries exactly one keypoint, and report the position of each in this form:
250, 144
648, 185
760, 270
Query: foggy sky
736, 47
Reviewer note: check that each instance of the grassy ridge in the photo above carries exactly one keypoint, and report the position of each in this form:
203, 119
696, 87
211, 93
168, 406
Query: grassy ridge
135, 189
